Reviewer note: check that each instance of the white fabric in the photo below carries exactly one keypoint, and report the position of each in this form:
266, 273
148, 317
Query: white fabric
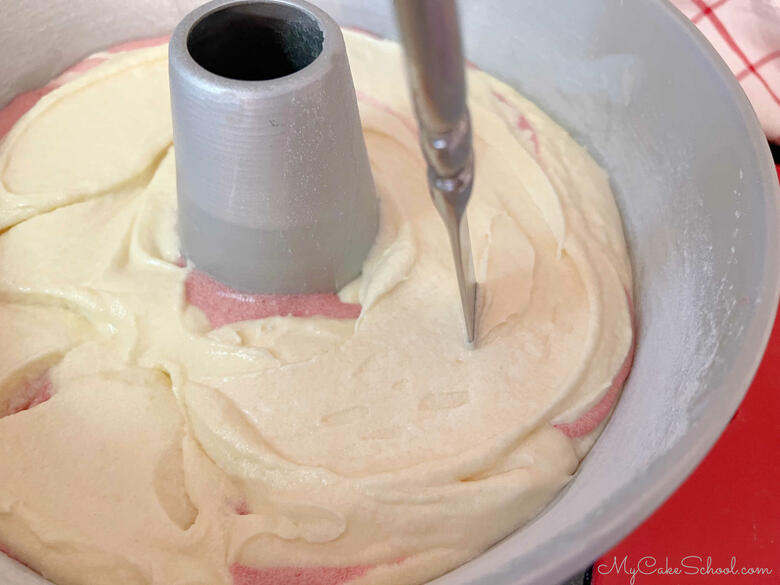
747, 35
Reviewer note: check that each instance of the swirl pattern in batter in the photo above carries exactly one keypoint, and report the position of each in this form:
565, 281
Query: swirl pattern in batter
157, 428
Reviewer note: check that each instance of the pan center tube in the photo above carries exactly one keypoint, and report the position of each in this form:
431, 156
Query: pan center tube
274, 185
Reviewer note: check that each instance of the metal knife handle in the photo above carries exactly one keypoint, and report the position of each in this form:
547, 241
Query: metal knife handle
431, 37
434, 61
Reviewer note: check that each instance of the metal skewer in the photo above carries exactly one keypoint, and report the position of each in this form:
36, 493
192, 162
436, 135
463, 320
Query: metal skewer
434, 58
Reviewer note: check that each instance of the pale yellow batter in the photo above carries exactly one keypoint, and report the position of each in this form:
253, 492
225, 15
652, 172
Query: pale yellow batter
174, 454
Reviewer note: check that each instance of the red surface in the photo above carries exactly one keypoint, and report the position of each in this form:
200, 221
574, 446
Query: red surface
728, 509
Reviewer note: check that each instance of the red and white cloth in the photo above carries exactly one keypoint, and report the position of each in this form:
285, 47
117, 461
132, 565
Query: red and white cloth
746, 33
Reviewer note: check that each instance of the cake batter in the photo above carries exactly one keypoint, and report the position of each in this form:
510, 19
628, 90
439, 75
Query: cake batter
158, 428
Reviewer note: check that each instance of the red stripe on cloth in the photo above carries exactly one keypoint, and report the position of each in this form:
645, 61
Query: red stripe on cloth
758, 64
716, 22
707, 10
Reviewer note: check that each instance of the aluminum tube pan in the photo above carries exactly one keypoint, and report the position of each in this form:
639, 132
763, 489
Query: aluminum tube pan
274, 185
